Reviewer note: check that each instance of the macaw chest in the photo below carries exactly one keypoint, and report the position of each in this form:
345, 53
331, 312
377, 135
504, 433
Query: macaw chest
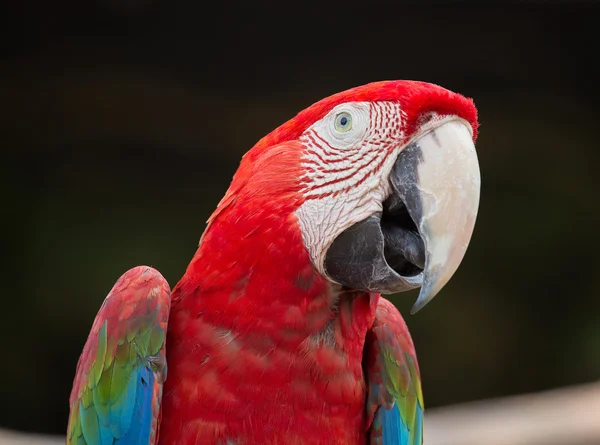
225, 388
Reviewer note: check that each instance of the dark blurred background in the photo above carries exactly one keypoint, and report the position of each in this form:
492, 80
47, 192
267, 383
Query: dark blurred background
122, 123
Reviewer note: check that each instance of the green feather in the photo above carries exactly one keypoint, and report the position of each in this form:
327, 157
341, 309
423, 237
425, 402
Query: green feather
89, 424
157, 339
142, 341
96, 369
102, 395
415, 378
111, 346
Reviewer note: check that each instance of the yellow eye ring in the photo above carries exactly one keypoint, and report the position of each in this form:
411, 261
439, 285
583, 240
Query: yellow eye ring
343, 122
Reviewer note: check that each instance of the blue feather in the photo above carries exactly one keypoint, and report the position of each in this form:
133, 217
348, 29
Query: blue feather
121, 410
141, 420
419, 425
394, 430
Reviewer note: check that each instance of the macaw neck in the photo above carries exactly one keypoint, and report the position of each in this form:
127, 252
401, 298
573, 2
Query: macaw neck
257, 337
252, 272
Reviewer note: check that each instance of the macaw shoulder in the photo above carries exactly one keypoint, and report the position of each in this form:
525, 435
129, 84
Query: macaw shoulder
118, 383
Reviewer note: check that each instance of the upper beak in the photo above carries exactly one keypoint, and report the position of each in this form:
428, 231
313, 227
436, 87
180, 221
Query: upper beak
437, 177
426, 225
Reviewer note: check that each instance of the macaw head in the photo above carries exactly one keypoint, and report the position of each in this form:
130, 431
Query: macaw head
384, 181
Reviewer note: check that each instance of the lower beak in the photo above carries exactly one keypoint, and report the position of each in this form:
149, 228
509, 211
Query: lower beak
423, 233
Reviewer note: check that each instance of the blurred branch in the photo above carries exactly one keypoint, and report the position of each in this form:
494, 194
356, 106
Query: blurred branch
14, 438
558, 417
561, 416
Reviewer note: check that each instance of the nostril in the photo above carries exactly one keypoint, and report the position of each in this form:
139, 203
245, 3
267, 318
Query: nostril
426, 118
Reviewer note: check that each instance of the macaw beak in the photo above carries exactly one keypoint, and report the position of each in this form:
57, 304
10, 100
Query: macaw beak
423, 233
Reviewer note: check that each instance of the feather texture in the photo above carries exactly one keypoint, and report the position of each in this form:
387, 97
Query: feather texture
395, 399
117, 390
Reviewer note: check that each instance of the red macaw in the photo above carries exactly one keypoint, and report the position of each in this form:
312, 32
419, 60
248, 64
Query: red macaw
277, 333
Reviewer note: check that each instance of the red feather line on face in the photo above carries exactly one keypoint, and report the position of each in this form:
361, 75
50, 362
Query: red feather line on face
358, 164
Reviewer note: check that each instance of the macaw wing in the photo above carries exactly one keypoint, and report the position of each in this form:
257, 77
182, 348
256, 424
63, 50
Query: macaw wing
117, 389
395, 400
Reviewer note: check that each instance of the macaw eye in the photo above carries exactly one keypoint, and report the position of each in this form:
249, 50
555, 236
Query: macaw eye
343, 122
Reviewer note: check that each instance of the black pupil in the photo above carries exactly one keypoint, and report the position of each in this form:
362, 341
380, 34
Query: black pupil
343, 121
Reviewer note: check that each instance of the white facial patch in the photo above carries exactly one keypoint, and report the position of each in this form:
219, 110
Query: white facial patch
348, 158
